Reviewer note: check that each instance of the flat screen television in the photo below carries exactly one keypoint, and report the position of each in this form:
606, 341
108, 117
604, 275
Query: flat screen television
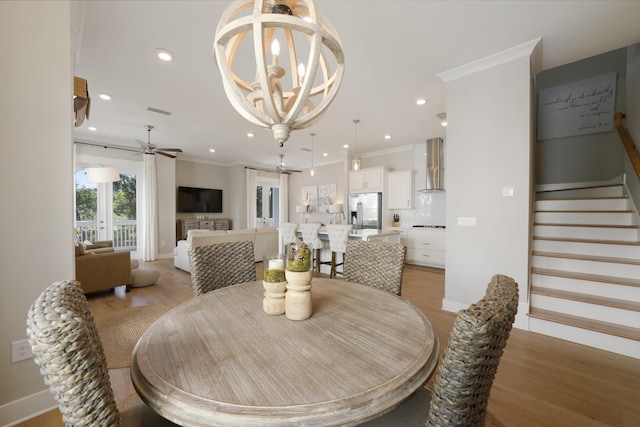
191, 199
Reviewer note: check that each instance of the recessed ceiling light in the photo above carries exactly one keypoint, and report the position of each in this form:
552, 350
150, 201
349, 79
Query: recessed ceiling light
212, 150
250, 135
164, 54
345, 146
105, 96
93, 128
325, 154
421, 101
387, 136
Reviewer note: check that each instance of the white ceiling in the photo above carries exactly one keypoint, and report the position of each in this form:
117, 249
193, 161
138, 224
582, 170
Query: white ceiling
394, 51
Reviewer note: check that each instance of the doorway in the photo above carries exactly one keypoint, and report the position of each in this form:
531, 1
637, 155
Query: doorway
267, 202
107, 211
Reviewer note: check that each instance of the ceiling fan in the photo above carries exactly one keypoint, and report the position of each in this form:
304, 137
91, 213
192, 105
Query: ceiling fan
150, 148
282, 169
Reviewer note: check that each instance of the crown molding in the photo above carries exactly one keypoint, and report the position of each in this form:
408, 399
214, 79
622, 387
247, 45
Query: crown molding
491, 61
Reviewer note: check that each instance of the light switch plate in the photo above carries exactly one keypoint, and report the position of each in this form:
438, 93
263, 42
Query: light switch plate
466, 221
508, 191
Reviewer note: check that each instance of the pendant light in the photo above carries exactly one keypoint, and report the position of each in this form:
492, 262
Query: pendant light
312, 171
355, 163
102, 174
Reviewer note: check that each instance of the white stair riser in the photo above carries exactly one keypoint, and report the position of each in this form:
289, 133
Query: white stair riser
584, 248
587, 267
623, 346
613, 191
609, 290
597, 218
591, 311
597, 233
583, 204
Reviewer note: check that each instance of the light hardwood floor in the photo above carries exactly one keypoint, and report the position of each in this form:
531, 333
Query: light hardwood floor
541, 381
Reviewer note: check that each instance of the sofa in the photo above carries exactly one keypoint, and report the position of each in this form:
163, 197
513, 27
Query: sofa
264, 239
99, 267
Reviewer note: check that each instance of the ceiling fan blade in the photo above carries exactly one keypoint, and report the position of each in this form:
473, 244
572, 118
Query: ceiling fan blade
142, 143
171, 156
177, 150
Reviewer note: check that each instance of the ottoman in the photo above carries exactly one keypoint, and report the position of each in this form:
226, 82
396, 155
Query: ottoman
143, 276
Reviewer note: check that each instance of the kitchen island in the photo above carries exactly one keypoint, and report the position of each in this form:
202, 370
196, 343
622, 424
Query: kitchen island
381, 235
392, 236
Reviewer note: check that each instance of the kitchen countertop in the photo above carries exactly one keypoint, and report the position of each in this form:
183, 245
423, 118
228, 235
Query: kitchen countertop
364, 233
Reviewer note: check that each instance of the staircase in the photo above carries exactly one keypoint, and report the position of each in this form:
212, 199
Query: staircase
585, 281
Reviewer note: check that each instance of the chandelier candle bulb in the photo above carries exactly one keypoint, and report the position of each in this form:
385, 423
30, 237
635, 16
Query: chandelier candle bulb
275, 51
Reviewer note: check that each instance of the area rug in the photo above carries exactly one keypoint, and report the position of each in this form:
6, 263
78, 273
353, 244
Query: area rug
120, 331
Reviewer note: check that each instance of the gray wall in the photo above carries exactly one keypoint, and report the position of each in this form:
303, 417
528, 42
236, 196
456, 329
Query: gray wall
587, 158
632, 123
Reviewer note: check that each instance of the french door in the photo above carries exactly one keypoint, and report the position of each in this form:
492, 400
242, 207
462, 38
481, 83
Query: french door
107, 211
267, 202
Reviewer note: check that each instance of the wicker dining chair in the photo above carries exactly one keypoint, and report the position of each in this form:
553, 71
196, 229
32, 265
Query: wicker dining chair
221, 264
467, 368
377, 264
66, 347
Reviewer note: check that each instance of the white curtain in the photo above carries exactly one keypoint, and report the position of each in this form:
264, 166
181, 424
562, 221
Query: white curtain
283, 206
252, 178
149, 220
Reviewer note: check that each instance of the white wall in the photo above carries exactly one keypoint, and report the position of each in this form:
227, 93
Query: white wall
36, 180
489, 139
166, 192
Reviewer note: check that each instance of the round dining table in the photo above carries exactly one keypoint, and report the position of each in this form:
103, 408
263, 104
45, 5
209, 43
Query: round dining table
219, 359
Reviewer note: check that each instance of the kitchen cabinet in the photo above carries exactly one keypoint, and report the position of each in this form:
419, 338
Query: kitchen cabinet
370, 180
426, 247
400, 190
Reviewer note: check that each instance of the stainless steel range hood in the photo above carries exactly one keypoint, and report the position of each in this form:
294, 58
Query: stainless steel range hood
435, 165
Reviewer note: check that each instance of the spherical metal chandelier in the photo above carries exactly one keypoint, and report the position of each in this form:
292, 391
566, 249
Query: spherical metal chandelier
280, 89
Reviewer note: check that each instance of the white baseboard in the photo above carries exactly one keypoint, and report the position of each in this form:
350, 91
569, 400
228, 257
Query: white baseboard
23, 409
522, 318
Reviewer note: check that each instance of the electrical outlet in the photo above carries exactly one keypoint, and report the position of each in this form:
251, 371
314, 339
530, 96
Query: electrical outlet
20, 350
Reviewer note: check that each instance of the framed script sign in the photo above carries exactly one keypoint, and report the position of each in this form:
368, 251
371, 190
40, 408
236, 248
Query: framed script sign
578, 108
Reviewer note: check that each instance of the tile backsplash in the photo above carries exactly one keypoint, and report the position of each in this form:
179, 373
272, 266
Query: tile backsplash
428, 209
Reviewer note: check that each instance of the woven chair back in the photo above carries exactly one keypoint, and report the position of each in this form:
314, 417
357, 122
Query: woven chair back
470, 360
377, 264
288, 232
66, 347
221, 264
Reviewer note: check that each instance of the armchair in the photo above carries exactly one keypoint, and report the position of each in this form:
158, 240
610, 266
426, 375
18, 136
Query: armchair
99, 267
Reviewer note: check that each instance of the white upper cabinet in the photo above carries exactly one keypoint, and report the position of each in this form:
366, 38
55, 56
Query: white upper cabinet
370, 180
399, 193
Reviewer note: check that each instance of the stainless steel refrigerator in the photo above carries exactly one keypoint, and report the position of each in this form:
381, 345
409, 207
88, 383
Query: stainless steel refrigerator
366, 210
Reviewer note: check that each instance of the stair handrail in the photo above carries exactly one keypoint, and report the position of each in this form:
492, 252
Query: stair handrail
627, 141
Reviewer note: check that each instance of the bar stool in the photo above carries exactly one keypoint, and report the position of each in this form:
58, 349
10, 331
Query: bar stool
288, 234
311, 237
338, 236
